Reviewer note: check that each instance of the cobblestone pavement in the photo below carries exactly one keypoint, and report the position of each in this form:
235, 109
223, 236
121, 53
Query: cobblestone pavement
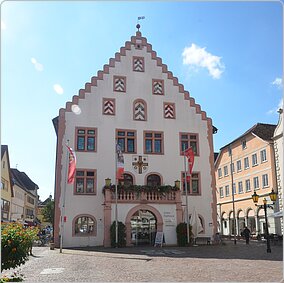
222, 263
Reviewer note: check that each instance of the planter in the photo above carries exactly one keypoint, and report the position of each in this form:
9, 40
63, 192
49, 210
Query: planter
51, 246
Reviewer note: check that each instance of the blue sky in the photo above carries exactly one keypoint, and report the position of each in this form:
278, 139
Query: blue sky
228, 55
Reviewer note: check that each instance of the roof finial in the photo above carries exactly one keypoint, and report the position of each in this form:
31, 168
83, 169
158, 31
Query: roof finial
138, 25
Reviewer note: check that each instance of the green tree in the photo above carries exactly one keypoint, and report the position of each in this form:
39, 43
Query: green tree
48, 212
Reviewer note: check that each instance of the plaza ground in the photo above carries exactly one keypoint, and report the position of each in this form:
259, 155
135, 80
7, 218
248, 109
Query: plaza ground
203, 263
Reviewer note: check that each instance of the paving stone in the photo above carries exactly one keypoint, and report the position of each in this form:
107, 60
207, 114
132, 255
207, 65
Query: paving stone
223, 263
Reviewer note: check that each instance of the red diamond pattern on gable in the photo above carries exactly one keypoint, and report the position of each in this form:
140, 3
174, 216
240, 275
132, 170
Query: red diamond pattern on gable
158, 87
139, 111
169, 110
109, 106
119, 83
138, 64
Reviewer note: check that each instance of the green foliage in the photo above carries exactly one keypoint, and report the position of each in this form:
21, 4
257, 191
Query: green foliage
48, 212
16, 243
182, 234
121, 234
142, 188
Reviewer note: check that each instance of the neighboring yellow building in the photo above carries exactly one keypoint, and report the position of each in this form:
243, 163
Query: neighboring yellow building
6, 185
253, 166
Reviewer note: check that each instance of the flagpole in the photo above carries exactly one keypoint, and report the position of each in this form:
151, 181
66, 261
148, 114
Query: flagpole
186, 200
63, 200
116, 222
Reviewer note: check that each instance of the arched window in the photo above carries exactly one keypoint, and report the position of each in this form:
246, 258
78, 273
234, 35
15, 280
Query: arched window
153, 180
85, 225
128, 180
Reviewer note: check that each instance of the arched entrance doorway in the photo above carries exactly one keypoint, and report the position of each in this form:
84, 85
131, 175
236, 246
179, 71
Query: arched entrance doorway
143, 228
155, 222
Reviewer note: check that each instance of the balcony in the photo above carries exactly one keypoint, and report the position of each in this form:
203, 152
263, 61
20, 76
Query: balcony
142, 194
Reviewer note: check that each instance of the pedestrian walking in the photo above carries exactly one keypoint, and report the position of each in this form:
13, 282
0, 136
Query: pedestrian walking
246, 233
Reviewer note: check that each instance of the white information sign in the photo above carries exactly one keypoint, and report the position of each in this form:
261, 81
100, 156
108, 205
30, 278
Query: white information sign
159, 239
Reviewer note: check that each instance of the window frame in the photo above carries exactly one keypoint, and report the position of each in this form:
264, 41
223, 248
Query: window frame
93, 233
234, 189
188, 140
131, 177
265, 182
219, 173
254, 159
126, 138
263, 153
226, 172
244, 144
85, 177
86, 136
248, 185
232, 167
246, 163
227, 190
221, 192
193, 177
239, 165
153, 174
256, 182
153, 139
240, 187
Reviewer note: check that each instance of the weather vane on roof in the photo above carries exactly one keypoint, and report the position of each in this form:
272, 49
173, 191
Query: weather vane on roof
138, 25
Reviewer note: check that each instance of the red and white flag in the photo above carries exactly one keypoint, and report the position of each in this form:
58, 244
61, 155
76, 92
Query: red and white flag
119, 163
190, 159
71, 165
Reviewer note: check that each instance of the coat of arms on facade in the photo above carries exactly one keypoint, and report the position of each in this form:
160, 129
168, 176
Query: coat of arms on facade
140, 163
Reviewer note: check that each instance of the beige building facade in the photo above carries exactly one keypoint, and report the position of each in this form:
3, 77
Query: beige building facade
252, 159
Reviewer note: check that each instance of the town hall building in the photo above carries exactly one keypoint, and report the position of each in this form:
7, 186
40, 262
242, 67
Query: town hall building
134, 101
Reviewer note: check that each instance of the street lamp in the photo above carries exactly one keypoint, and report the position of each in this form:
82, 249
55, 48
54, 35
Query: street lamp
273, 197
177, 184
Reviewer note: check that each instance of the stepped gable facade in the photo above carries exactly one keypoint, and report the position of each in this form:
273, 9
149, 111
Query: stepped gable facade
138, 103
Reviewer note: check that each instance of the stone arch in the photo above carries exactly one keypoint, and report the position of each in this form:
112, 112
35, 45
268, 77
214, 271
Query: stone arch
240, 213
141, 207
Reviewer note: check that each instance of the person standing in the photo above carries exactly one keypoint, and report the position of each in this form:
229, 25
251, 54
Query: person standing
246, 233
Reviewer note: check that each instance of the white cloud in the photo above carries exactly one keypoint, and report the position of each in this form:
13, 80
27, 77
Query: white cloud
58, 88
3, 25
278, 82
198, 57
37, 65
